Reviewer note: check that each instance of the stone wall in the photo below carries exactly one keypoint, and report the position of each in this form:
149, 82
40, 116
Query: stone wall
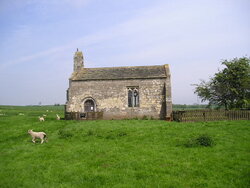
111, 97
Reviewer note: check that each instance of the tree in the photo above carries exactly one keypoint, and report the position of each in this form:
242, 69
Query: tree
230, 87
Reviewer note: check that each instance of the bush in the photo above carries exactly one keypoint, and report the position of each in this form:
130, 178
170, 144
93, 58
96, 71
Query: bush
202, 140
205, 140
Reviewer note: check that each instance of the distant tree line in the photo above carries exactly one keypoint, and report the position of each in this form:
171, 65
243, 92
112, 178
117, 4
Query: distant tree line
192, 106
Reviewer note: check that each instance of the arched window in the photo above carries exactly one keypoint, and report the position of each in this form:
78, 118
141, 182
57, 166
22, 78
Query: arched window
89, 106
133, 97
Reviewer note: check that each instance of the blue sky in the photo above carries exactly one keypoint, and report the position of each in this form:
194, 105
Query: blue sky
38, 39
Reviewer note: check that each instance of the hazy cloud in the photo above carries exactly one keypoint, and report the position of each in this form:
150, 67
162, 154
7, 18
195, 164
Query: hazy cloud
192, 36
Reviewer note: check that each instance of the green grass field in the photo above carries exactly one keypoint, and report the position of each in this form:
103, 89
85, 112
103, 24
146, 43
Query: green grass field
120, 153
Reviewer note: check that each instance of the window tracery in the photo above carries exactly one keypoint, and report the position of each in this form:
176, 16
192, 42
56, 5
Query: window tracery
133, 97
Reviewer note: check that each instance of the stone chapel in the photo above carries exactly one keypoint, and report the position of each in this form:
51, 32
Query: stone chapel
118, 92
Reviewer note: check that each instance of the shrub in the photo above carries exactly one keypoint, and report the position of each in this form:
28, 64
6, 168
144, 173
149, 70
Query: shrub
202, 140
205, 140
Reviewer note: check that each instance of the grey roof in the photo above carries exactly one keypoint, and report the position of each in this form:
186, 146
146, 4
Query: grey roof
121, 73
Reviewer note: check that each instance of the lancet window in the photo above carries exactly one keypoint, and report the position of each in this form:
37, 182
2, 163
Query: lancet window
133, 97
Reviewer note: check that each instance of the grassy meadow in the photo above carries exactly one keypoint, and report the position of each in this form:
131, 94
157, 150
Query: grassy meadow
120, 153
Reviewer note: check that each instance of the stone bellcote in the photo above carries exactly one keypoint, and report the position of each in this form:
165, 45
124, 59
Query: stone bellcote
78, 61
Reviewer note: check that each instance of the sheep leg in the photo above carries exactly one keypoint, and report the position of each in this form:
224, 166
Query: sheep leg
42, 140
34, 140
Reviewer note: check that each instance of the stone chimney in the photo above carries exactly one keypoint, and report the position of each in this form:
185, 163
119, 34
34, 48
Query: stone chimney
78, 60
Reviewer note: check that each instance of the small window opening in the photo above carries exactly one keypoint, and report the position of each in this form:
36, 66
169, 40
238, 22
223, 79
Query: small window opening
67, 95
133, 97
89, 106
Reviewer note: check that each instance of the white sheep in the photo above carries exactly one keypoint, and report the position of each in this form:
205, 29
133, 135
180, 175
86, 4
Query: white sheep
41, 118
58, 117
40, 135
21, 114
44, 115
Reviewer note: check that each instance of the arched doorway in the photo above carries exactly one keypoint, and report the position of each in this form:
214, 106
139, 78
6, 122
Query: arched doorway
89, 105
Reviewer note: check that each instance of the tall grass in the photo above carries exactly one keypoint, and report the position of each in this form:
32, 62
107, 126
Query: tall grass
120, 153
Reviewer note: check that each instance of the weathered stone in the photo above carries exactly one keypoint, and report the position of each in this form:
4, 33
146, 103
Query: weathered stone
106, 90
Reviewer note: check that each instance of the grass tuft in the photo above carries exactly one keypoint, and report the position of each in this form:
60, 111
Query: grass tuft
64, 134
202, 140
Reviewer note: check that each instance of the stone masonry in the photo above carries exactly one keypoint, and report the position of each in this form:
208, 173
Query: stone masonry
107, 90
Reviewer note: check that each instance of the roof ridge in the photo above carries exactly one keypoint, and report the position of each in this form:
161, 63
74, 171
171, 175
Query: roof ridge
125, 67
